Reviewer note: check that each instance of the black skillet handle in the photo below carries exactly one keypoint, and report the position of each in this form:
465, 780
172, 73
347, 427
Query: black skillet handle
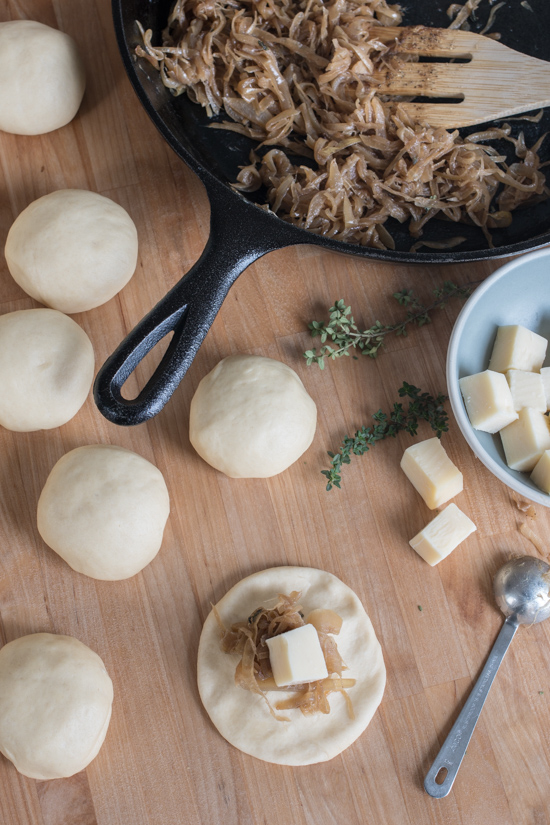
237, 238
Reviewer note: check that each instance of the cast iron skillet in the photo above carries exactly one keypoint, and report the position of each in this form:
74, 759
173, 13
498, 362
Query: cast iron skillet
240, 232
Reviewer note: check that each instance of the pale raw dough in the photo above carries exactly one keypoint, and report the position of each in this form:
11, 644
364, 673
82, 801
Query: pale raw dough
46, 369
42, 78
72, 249
55, 705
243, 718
103, 509
251, 417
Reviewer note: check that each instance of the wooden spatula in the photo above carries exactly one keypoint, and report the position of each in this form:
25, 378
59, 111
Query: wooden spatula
497, 81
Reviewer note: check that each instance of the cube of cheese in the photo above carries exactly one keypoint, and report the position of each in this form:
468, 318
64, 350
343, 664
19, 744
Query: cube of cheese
431, 472
541, 473
527, 390
517, 348
526, 439
488, 401
442, 534
545, 375
296, 656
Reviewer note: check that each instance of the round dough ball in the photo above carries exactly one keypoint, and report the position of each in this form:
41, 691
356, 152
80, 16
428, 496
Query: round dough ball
103, 509
72, 249
46, 369
243, 718
55, 705
42, 78
251, 417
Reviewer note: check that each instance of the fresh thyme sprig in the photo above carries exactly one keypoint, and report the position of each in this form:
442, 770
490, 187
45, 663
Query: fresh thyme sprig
344, 333
422, 407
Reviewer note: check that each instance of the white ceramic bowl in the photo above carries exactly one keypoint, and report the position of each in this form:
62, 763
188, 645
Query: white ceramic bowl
517, 293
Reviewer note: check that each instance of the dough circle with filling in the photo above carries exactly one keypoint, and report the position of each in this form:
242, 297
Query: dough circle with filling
72, 250
103, 509
55, 705
251, 417
46, 369
243, 718
42, 78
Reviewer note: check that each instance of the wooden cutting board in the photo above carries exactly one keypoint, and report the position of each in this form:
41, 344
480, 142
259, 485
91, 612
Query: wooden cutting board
163, 763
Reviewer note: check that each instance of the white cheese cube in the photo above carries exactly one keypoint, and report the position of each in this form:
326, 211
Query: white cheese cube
296, 656
431, 472
488, 401
526, 439
442, 534
517, 348
541, 474
545, 375
527, 390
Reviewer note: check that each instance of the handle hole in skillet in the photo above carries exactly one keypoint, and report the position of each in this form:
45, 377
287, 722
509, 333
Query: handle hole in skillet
441, 776
139, 377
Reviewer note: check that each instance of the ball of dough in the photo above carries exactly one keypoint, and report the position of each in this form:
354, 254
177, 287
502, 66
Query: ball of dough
42, 78
251, 417
103, 509
72, 249
46, 369
55, 705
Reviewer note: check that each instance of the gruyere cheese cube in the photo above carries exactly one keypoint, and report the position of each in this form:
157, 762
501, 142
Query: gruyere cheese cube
541, 473
545, 375
526, 439
296, 656
517, 348
527, 390
431, 472
488, 401
442, 534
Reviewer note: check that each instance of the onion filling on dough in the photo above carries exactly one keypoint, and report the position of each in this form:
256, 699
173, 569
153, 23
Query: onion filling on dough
253, 672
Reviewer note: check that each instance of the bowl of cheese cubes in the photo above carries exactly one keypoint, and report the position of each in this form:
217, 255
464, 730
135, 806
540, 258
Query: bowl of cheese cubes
498, 374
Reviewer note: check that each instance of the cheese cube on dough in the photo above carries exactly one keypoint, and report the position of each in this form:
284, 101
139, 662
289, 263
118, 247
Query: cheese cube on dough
488, 401
517, 348
545, 375
527, 390
431, 472
442, 534
526, 439
296, 656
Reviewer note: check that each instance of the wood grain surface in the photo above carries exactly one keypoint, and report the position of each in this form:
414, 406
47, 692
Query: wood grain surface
162, 761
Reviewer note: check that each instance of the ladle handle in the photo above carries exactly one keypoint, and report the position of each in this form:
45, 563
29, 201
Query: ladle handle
449, 758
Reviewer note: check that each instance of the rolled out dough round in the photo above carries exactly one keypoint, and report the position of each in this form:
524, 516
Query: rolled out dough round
72, 249
55, 705
42, 78
243, 718
46, 369
103, 509
251, 417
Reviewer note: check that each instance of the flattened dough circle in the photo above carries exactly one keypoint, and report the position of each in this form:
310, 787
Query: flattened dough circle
244, 719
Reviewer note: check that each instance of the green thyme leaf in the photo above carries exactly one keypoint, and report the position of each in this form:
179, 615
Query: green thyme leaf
422, 407
342, 331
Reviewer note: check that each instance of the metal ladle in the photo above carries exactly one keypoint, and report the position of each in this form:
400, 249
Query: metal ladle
521, 589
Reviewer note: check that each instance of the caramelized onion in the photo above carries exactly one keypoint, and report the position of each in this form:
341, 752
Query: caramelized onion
299, 75
253, 672
325, 621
